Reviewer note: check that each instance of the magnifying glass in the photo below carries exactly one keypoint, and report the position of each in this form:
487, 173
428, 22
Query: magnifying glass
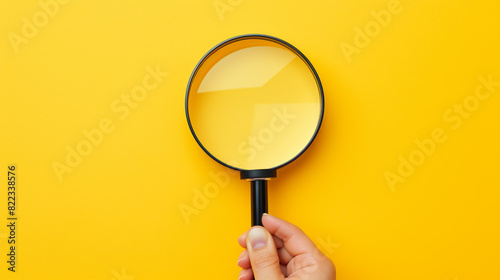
254, 103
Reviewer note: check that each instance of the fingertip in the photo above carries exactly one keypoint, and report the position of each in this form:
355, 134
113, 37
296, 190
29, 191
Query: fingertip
243, 260
245, 274
270, 221
242, 240
280, 227
267, 216
242, 235
258, 238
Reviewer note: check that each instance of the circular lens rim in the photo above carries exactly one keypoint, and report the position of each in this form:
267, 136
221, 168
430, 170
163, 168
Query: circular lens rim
262, 37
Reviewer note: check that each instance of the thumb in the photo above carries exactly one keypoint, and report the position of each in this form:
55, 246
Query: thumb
263, 255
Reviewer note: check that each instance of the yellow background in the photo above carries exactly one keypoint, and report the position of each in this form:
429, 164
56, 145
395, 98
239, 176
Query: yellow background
116, 215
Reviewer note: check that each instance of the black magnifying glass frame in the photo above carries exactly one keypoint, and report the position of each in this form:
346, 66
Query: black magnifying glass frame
258, 177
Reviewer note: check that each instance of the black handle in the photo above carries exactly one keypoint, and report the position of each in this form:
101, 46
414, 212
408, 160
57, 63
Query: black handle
259, 201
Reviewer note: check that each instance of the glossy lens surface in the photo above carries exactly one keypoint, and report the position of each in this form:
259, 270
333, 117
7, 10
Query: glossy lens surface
254, 103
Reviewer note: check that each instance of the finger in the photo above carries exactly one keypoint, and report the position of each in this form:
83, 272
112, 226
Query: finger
243, 260
263, 255
278, 242
284, 256
246, 274
294, 239
242, 240
283, 270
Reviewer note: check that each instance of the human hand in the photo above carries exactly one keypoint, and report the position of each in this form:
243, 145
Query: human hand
281, 250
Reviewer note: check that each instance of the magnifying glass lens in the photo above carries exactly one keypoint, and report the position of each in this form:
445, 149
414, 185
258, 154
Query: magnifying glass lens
254, 103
